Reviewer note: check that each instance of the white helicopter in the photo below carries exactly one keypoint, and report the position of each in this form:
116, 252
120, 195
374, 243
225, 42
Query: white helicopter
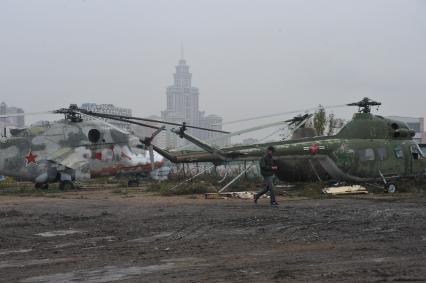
74, 149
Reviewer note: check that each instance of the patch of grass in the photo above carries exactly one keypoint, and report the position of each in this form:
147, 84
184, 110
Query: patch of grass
155, 187
309, 190
27, 191
417, 186
119, 191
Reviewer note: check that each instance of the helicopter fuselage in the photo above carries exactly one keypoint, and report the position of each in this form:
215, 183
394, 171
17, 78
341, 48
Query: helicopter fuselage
67, 150
368, 148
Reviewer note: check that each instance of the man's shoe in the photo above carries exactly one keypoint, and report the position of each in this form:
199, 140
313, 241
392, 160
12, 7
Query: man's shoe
275, 203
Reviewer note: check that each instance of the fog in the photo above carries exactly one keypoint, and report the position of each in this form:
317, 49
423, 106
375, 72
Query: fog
248, 58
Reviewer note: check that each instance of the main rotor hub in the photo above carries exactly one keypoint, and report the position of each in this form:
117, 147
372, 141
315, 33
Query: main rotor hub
298, 119
71, 114
364, 106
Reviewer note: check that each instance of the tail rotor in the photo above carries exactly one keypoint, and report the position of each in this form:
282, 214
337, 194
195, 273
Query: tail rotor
148, 144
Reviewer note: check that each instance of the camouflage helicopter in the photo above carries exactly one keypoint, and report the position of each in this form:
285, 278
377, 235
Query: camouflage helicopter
74, 149
368, 149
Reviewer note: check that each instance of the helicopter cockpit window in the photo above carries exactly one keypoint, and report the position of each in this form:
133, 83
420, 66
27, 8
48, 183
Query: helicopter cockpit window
416, 153
422, 153
382, 153
366, 154
399, 153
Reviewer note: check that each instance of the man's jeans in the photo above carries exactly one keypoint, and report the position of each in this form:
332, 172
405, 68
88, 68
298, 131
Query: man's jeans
268, 185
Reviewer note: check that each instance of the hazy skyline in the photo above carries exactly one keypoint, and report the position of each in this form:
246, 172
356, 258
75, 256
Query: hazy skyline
248, 58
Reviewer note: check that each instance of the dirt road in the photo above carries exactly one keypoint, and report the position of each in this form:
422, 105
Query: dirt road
107, 236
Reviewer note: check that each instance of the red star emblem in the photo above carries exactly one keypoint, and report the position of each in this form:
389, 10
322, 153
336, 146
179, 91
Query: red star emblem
31, 158
314, 148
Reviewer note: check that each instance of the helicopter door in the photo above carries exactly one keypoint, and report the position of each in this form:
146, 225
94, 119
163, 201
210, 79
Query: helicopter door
384, 162
416, 162
400, 160
367, 162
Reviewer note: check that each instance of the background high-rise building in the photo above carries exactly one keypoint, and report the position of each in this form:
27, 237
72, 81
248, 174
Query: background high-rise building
13, 121
183, 106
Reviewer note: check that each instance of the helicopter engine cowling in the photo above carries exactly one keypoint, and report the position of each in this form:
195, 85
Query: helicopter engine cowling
94, 135
404, 133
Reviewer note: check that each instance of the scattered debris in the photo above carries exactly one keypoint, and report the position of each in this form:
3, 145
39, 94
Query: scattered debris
357, 189
228, 195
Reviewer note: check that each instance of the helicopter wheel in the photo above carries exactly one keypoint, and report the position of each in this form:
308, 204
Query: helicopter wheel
66, 186
390, 188
42, 186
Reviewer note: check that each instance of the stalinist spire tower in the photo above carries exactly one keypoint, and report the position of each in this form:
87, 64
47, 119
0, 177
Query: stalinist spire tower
182, 100
183, 106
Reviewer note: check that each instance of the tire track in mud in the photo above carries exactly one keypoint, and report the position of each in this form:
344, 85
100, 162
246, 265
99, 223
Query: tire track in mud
190, 232
186, 232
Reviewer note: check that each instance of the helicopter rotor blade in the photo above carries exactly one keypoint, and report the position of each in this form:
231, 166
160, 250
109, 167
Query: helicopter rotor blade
26, 114
157, 132
283, 113
131, 119
176, 124
236, 133
106, 123
290, 122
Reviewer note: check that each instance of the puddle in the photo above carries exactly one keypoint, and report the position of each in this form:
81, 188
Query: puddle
58, 233
116, 273
8, 252
105, 274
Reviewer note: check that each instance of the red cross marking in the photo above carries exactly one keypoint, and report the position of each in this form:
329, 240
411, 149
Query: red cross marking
314, 148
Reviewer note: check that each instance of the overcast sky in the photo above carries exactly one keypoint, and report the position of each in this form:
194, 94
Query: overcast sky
247, 57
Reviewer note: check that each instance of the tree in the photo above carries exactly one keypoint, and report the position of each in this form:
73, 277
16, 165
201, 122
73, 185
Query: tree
331, 124
320, 120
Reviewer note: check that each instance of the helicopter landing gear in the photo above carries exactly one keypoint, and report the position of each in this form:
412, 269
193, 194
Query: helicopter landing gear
66, 186
390, 188
42, 186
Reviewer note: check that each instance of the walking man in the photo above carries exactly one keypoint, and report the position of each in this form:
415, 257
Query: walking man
267, 169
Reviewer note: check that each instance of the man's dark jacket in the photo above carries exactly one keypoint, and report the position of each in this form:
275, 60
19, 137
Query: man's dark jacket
266, 163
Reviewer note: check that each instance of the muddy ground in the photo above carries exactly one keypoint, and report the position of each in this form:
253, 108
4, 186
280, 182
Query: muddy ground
128, 236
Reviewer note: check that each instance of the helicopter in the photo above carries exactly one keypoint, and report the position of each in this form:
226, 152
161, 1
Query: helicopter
368, 149
75, 149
